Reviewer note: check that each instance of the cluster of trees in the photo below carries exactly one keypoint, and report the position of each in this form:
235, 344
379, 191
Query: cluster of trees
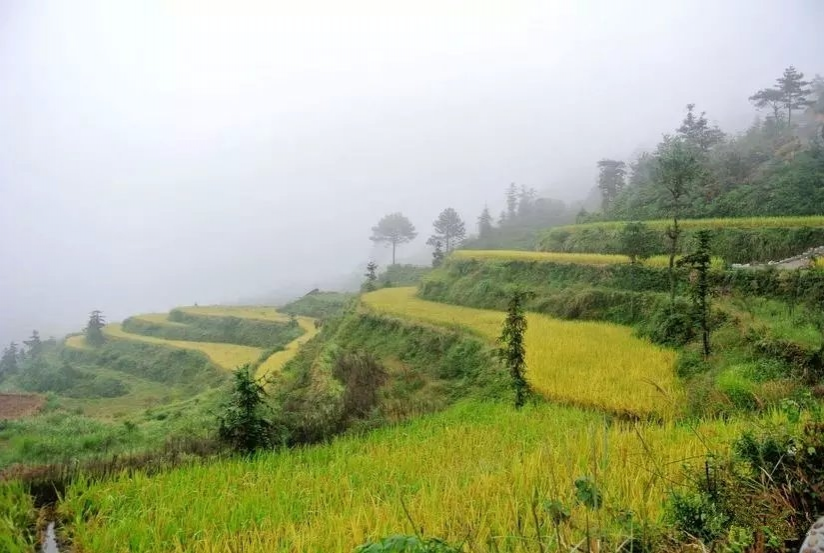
449, 232
776, 167
15, 355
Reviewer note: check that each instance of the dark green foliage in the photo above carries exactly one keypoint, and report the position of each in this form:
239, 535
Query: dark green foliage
34, 345
513, 351
393, 229
408, 544
64, 379
243, 424
94, 329
319, 305
403, 275
699, 261
637, 241
673, 325
208, 328
190, 369
769, 489
371, 277
8, 362
587, 493
734, 245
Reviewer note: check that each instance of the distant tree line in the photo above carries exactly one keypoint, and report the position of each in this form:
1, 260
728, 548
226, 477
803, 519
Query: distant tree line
775, 167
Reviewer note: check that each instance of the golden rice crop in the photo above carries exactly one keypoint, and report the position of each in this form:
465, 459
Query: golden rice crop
228, 356
471, 472
579, 362
717, 223
242, 311
276, 361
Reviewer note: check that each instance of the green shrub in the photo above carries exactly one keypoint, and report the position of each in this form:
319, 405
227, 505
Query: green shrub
739, 390
17, 518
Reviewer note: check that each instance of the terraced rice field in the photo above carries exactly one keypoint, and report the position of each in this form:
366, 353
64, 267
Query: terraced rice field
277, 360
243, 312
582, 363
471, 472
568, 258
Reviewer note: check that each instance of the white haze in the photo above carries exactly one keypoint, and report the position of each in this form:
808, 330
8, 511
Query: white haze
155, 153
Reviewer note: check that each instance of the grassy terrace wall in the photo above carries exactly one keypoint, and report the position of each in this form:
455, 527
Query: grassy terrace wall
735, 240
208, 328
578, 287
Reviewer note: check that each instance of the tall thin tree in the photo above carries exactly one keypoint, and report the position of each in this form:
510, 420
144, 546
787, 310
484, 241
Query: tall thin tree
513, 350
393, 229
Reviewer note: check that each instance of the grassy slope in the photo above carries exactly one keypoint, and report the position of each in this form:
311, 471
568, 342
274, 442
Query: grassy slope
562, 257
277, 360
583, 363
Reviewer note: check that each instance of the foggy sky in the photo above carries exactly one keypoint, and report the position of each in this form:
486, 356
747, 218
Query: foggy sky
156, 153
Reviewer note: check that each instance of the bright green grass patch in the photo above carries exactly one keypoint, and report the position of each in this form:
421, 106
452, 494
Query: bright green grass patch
580, 362
477, 465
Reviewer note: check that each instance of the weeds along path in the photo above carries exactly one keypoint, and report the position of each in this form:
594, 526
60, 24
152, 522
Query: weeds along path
584, 363
277, 360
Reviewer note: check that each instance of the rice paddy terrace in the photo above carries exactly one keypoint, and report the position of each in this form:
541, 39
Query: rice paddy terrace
470, 474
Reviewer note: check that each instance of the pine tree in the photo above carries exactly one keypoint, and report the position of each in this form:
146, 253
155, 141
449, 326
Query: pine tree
449, 230
34, 344
513, 352
699, 261
8, 362
485, 223
794, 91
526, 200
437, 255
697, 131
94, 329
511, 202
371, 276
769, 97
611, 180
393, 229
243, 425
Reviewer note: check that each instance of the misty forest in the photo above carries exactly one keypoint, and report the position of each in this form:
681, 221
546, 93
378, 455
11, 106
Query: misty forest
443, 277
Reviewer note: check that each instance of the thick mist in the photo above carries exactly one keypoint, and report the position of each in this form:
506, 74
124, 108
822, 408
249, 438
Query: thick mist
163, 153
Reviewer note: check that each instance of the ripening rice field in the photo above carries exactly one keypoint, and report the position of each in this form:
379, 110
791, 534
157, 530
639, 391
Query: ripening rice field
471, 472
579, 362
568, 258
227, 356
243, 312
277, 360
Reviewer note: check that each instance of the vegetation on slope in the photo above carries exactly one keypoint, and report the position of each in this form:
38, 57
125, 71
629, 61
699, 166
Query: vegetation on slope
735, 240
599, 364
471, 473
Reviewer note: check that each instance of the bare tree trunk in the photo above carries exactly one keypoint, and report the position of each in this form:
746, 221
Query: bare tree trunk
393, 251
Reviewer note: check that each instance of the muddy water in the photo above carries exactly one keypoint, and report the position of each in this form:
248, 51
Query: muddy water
49, 544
